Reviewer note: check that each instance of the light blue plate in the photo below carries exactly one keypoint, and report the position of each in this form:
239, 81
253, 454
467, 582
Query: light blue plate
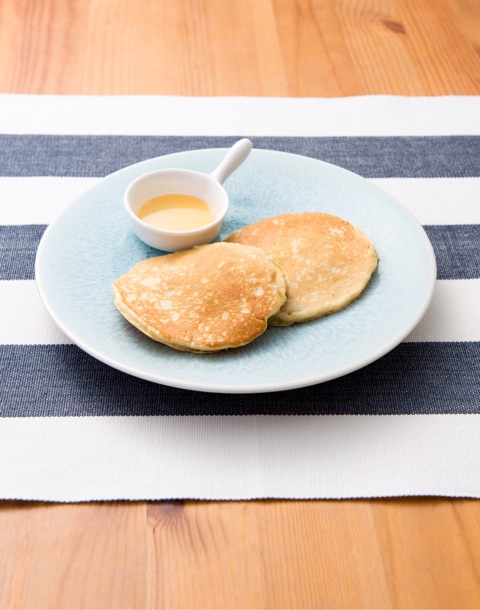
90, 245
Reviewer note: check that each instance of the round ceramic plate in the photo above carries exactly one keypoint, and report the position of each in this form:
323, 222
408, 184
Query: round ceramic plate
90, 245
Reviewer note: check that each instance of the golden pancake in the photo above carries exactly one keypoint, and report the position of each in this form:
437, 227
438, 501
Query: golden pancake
326, 260
210, 298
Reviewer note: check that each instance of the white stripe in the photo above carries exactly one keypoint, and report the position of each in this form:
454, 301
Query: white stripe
453, 315
432, 200
139, 458
163, 115
437, 200
38, 200
24, 318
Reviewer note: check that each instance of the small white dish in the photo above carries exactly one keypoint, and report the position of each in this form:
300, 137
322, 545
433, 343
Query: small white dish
207, 187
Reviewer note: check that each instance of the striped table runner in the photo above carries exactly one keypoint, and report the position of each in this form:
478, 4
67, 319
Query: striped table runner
73, 429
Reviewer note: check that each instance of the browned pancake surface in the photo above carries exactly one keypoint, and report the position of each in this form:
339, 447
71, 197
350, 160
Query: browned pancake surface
206, 299
326, 260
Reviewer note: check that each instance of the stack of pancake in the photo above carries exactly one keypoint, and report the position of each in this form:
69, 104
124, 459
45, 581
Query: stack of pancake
279, 271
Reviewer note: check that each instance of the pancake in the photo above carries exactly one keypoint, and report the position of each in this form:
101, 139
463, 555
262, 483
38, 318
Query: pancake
210, 298
326, 260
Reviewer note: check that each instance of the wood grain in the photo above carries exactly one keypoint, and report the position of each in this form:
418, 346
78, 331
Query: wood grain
433, 551
408, 553
395, 553
242, 47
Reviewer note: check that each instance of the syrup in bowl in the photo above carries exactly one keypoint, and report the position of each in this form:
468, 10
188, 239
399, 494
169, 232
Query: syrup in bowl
176, 212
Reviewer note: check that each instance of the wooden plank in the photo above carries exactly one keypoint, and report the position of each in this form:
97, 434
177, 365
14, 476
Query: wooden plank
431, 551
256, 47
397, 553
72, 556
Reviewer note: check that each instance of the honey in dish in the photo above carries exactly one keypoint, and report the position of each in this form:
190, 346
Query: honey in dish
174, 212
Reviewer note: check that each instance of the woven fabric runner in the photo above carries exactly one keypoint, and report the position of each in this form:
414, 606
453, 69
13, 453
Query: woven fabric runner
74, 429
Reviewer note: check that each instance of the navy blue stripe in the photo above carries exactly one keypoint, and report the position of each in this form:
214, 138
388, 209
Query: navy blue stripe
457, 249
61, 380
18, 248
372, 157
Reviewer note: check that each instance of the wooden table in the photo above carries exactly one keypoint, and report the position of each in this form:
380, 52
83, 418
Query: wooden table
393, 553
